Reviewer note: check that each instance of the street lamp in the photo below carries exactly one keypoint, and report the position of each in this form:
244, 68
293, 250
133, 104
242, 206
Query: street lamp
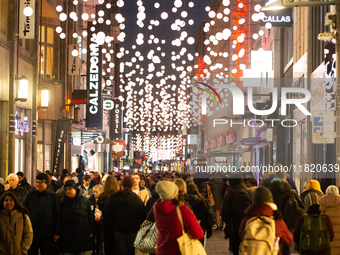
22, 89
43, 98
280, 4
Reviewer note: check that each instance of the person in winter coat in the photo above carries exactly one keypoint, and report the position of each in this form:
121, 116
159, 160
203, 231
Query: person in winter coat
97, 228
13, 181
85, 189
124, 212
311, 195
111, 187
16, 232
44, 213
140, 190
330, 205
200, 209
229, 214
167, 222
313, 210
22, 181
264, 206
76, 220
218, 194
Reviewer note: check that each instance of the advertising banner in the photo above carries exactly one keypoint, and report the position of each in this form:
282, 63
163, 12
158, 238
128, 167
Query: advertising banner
26, 24
62, 129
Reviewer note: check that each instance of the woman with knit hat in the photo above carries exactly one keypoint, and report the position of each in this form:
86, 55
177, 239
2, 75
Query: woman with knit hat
123, 212
330, 205
311, 195
264, 206
167, 222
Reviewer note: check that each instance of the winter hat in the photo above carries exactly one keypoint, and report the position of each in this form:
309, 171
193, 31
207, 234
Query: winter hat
166, 190
43, 177
263, 195
70, 183
182, 186
313, 184
332, 190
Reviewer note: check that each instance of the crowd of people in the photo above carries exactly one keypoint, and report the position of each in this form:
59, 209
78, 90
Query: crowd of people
72, 213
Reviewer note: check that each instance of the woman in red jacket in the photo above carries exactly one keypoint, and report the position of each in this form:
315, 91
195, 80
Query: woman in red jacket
264, 206
167, 222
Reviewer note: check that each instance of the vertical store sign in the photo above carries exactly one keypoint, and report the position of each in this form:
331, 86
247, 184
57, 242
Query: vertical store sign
116, 119
73, 62
62, 128
26, 24
94, 110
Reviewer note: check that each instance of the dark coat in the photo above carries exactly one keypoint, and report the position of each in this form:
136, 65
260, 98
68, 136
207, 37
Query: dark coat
262, 209
76, 224
44, 212
124, 213
218, 192
25, 184
201, 212
202, 186
20, 192
297, 232
149, 205
281, 192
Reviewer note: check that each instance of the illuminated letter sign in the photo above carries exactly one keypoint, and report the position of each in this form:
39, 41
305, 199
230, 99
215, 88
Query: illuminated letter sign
108, 105
94, 82
116, 120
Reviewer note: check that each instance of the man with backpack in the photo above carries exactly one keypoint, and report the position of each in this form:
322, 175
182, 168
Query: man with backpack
314, 232
287, 201
262, 226
235, 203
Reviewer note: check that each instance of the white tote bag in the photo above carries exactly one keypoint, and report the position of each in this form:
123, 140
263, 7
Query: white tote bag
188, 245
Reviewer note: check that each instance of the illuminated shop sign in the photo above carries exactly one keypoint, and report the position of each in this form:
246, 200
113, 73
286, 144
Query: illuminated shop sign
20, 125
278, 18
79, 97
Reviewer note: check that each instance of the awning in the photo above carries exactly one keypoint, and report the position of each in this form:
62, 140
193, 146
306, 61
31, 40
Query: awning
249, 141
210, 154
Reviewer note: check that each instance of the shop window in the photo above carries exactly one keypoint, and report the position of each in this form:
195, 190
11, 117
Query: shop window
20, 142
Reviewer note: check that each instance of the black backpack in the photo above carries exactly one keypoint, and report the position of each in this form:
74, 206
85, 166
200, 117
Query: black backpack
242, 200
293, 209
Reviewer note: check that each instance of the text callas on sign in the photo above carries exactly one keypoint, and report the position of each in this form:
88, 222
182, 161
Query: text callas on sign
94, 78
73, 61
26, 24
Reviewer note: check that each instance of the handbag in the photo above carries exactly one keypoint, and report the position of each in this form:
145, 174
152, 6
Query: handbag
210, 196
146, 239
188, 245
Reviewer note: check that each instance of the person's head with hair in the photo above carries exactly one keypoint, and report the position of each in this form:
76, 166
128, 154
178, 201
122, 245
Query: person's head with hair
111, 186
65, 172
177, 175
192, 189
66, 179
313, 184
13, 180
167, 190
144, 181
91, 175
20, 176
235, 179
74, 174
9, 201
136, 179
263, 195
97, 190
182, 186
279, 172
78, 170
127, 184
332, 189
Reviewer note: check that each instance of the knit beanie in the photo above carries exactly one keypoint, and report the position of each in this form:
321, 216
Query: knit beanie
263, 195
70, 183
166, 190
43, 177
332, 190
313, 184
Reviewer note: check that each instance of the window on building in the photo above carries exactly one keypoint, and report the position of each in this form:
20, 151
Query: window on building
48, 53
44, 149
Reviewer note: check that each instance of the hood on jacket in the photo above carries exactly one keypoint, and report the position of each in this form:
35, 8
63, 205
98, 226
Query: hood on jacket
306, 191
193, 199
164, 207
330, 200
313, 184
259, 209
278, 186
